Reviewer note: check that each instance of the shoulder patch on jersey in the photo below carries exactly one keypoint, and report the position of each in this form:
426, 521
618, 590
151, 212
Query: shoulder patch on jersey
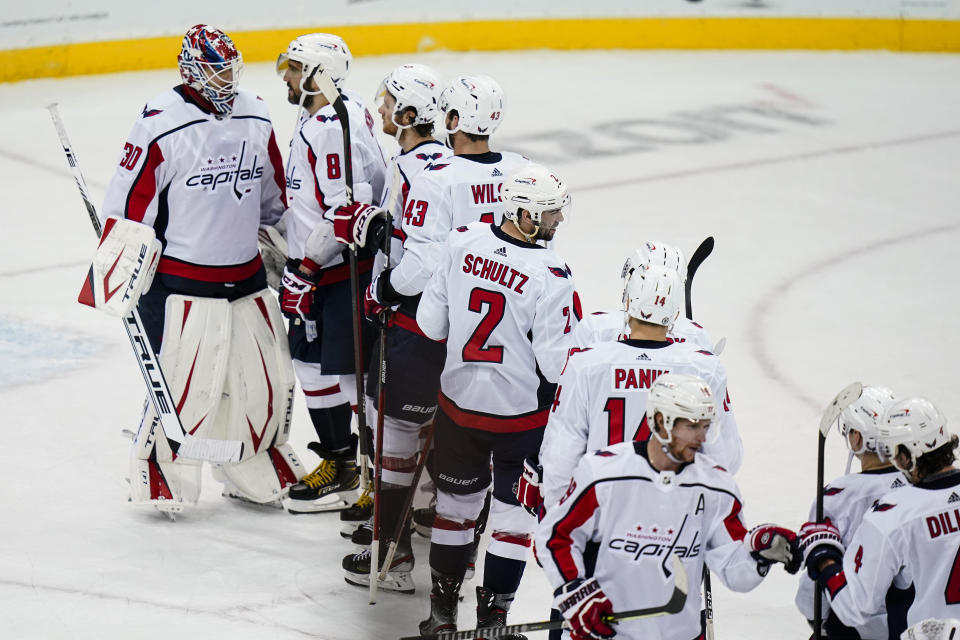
716, 466
560, 272
436, 167
604, 454
461, 229
881, 506
698, 326
429, 156
323, 118
149, 113
832, 491
704, 352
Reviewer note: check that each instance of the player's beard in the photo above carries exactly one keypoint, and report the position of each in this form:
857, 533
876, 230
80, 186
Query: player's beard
546, 234
293, 97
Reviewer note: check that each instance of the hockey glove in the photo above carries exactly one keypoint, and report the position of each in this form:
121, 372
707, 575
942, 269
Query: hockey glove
769, 543
820, 541
296, 292
376, 299
528, 489
354, 222
930, 629
583, 604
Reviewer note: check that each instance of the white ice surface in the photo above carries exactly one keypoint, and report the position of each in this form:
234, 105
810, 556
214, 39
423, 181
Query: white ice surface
828, 180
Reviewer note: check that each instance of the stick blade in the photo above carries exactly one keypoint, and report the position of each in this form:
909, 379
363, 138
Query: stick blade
847, 396
196, 448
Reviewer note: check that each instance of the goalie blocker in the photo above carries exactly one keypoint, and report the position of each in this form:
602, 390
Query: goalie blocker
123, 267
230, 371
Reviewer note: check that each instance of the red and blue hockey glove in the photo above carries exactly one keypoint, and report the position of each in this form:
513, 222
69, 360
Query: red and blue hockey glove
820, 541
583, 604
352, 224
296, 292
528, 489
769, 543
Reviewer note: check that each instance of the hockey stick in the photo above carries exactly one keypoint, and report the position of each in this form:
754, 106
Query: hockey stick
408, 505
674, 605
332, 94
701, 254
841, 401
180, 442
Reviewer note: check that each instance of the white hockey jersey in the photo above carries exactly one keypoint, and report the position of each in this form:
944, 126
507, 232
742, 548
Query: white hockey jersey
410, 164
910, 536
315, 178
447, 195
637, 516
604, 326
506, 308
845, 500
205, 185
602, 400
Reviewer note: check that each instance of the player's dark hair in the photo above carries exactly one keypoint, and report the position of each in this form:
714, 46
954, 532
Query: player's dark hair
424, 130
472, 137
935, 461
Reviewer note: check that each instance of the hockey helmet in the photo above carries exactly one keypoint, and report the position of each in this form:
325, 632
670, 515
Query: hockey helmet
678, 395
478, 101
914, 423
210, 64
318, 51
864, 415
413, 86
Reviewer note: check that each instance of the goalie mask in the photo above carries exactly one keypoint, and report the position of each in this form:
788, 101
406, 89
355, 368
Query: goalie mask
864, 415
677, 395
657, 253
210, 64
478, 101
652, 294
316, 51
914, 423
533, 188
413, 86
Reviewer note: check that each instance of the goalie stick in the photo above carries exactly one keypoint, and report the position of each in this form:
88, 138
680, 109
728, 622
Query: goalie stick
701, 254
180, 442
674, 605
847, 396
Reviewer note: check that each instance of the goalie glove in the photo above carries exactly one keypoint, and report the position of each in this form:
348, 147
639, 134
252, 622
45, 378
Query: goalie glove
769, 543
296, 292
820, 541
528, 489
583, 604
353, 223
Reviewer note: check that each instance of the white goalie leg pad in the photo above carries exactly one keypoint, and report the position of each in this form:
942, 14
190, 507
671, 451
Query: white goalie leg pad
320, 391
456, 517
263, 478
155, 478
257, 402
123, 267
511, 530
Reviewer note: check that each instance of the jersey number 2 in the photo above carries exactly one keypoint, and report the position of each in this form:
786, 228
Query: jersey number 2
474, 350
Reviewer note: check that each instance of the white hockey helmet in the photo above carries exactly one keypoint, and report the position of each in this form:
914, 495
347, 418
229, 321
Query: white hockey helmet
210, 64
535, 188
653, 294
864, 415
678, 395
658, 253
478, 101
914, 423
413, 86
323, 50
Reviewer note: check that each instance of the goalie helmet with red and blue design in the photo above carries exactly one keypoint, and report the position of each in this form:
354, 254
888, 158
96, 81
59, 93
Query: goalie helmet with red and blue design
210, 64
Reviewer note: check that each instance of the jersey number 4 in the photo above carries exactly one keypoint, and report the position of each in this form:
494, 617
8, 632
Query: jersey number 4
952, 593
616, 410
474, 350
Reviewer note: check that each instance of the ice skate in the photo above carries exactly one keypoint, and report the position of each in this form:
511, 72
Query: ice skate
444, 598
357, 569
492, 611
357, 514
331, 486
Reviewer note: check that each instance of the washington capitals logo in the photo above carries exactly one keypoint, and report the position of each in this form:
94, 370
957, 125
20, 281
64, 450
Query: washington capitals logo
882, 506
832, 491
322, 118
149, 113
436, 167
604, 454
429, 156
561, 272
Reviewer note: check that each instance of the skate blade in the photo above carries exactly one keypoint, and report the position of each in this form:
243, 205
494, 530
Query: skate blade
273, 504
398, 581
325, 504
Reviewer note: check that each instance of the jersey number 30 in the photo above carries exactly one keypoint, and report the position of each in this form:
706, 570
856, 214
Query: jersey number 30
474, 350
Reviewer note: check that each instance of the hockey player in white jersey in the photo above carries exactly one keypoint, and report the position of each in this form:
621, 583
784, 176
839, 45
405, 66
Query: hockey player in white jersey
605, 326
505, 306
201, 172
909, 539
848, 497
633, 504
602, 394
315, 293
449, 192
